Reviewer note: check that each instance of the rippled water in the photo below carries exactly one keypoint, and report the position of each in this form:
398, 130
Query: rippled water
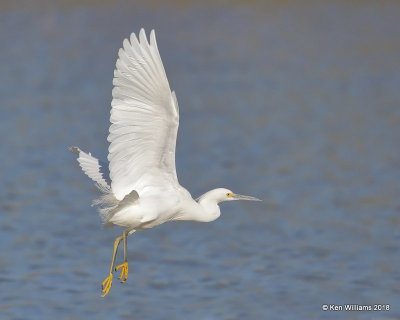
298, 104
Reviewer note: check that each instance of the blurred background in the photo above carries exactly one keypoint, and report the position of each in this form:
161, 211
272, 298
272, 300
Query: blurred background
295, 102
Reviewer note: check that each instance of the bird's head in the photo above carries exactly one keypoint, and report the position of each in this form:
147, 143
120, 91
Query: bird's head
223, 194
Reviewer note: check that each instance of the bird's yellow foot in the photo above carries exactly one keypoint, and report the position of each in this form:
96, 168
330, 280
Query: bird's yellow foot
124, 271
106, 285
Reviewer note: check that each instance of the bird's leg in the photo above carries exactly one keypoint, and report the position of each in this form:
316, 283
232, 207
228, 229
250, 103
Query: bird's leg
106, 285
124, 266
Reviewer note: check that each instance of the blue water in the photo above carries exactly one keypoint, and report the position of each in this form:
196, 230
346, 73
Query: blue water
295, 103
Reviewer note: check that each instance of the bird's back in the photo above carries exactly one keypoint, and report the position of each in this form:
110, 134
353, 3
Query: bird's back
154, 207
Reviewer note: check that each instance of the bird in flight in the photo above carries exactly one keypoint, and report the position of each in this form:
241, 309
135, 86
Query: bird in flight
141, 189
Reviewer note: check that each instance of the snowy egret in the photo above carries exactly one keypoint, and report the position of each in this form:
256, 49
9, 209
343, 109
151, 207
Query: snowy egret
142, 190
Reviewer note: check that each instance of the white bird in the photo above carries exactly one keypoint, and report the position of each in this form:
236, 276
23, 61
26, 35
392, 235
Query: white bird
144, 190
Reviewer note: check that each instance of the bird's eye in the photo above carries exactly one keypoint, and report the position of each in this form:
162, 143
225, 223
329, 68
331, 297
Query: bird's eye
229, 195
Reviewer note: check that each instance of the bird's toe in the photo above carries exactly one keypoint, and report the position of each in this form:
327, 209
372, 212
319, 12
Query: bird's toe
124, 271
106, 285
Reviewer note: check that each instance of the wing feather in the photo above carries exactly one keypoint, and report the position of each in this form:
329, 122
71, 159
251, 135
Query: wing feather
144, 119
92, 167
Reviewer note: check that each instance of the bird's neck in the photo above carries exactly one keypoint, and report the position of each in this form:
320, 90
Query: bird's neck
209, 210
205, 209
201, 211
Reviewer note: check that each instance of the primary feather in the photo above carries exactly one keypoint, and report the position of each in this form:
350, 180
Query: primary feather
92, 167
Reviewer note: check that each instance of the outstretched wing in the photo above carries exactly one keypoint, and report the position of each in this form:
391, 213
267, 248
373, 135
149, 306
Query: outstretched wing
144, 119
92, 167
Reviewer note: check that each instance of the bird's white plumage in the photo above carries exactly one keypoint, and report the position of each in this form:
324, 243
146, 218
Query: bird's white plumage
91, 167
144, 119
144, 191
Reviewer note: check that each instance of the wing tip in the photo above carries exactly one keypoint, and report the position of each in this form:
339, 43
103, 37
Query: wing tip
74, 150
153, 41
142, 36
126, 43
133, 39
